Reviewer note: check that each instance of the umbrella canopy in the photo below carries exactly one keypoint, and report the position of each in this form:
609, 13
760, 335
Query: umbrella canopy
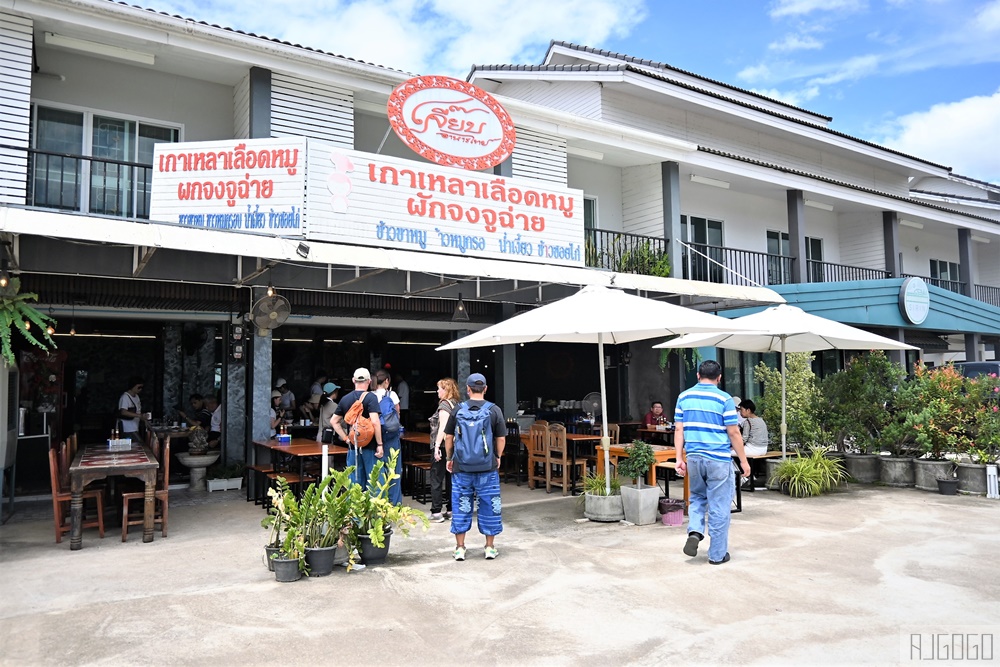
599, 315
785, 328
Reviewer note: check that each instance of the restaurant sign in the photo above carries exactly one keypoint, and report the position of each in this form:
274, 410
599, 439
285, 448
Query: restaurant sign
233, 185
451, 122
387, 202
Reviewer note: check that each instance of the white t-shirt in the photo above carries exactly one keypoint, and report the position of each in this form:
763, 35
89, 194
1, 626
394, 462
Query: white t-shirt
132, 404
217, 420
404, 395
380, 393
287, 398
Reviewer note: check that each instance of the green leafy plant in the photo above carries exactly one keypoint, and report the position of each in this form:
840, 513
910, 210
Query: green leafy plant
851, 404
636, 466
801, 394
326, 509
811, 475
285, 518
17, 313
219, 471
595, 485
371, 512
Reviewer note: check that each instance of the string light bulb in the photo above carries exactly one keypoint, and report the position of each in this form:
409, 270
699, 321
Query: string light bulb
27, 324
270, 289
51, 328
4, 280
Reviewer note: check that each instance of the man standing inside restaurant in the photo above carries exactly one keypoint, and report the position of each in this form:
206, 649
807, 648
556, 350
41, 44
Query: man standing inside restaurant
704, 430
474, 440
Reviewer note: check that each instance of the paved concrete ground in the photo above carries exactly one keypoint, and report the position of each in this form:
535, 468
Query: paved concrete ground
845, 578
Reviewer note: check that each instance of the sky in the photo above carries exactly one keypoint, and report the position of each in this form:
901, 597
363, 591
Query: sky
919, 76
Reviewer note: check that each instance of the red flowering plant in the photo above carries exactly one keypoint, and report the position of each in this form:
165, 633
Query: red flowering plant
986, 391
945, 415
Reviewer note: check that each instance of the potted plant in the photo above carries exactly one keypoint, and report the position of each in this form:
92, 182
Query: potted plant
17, 313
812, 475
373, 518
983, 394
800, 399
224, 478
598, 505
285, 513
326, 511
941, 422
638, 502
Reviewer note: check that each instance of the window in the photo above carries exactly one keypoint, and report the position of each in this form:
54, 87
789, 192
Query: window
946, 274
707, 259
814, 259
589, 213
117, 178
779, 265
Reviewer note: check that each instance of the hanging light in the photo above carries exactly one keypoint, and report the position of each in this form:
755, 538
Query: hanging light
27, 324
72, 326
4, 278
270, 288
460, 314
51, 328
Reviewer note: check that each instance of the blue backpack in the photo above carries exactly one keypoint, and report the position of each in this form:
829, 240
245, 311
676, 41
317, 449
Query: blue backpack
474, 450
388, 416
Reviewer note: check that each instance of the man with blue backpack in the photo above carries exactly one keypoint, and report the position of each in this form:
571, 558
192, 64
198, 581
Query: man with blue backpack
474, 442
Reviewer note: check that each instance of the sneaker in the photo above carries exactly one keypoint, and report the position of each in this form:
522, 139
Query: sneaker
357, 567
437, 517
459, 553
691, 546
491, 553
725, 559
447, 514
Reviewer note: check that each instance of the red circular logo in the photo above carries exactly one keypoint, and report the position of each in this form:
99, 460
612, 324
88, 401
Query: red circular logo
451, 122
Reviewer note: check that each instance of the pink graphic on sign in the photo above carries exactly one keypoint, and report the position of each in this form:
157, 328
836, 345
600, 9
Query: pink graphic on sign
451, 122
339, 183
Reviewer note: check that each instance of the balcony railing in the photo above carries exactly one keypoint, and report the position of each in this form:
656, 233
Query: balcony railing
716, 264
828, 272
951, 285
81, 183
988, 294
627, 253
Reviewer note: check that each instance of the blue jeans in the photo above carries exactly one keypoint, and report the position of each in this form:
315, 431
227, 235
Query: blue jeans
710, 491
363, 462
391, 444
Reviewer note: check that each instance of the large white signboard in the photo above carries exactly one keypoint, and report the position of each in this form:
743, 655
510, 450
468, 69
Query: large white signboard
235, 185
374, 200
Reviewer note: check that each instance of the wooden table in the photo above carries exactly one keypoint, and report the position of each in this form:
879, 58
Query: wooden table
661, 454
416, 438
95, 462
302, 448
572, 441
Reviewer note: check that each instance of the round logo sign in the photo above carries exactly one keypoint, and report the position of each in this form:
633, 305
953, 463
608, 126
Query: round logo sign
451, 122
914, 300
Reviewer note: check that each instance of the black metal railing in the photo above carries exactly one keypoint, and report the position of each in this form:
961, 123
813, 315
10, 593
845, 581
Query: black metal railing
955, 286
988, 294
113, 187
716, 264
828, 272
627, 253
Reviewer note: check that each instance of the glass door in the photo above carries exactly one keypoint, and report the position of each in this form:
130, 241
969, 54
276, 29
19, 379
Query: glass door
56, 172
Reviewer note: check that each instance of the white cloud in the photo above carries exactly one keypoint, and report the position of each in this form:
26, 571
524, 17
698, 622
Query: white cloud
424, 36
794, 97
964, 135
802, 7
796, 43
755, 73
849, 70
988, 17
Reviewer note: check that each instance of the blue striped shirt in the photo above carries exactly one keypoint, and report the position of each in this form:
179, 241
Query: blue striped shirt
705, 411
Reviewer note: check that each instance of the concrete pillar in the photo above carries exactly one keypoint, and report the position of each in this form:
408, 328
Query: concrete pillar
505, 168
234, 405
972, 342
260, 103
670, 181
463, 364
505, 381
797, 235
890, 242
966, 268
897, 356
260, 383
173, 365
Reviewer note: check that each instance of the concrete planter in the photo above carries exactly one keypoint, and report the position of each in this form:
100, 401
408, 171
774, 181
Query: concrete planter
863, 468
640, 504
897, 470
772, 465
603, 508
971, 479
926, 473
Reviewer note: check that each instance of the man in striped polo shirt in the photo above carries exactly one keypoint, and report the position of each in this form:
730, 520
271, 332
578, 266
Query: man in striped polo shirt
704, 430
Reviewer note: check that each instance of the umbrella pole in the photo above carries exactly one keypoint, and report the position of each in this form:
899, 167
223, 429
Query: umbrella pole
784, 425
605, 440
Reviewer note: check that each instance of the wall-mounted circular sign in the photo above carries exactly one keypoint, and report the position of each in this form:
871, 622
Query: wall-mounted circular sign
914, 300
451, 122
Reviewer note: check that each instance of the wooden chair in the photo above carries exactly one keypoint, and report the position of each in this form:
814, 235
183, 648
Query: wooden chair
614, 432
558, 451
161, 498
538, 454
61, 495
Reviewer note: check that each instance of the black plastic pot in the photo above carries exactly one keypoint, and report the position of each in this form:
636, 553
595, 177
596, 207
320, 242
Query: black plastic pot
286, 570
268, 552
948, 487
320, 560
371, 554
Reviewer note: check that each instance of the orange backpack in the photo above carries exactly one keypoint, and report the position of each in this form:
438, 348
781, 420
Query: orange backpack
362, 431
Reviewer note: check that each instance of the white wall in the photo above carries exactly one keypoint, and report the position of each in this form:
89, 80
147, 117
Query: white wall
205, 110
581, 98
603, 182
919, 246
642, 200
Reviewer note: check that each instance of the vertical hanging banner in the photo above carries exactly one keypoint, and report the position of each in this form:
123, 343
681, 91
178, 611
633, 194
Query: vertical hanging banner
253, 185
451, 122
376, 200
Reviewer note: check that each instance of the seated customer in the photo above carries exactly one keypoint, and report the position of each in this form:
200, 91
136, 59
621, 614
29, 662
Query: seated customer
655, 416
753, 430
215, 421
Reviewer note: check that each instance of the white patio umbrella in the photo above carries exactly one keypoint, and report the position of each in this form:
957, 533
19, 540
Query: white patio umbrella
599, 315
788, 329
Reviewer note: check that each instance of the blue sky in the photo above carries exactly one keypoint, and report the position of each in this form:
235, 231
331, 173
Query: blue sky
921, 76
